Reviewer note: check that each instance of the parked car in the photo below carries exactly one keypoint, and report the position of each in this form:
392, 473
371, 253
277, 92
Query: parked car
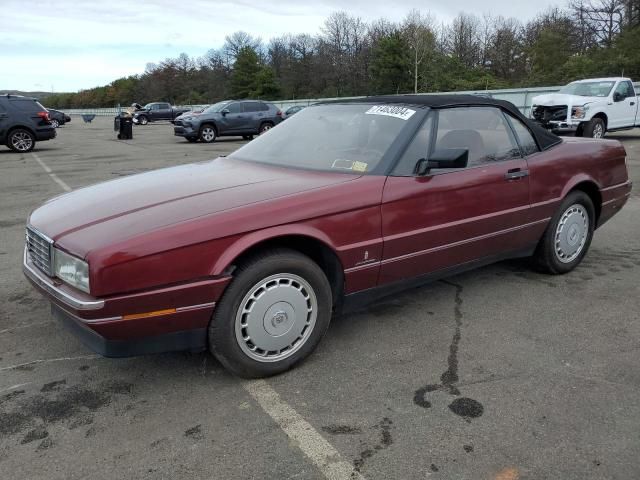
291, 111
250, 255
57, 117
23, 122
231, 117
589, 108
153, 112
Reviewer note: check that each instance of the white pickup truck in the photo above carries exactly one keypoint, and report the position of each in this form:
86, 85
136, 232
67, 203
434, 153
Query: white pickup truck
589, 108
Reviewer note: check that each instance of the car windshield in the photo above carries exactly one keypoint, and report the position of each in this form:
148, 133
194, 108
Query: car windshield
148, 106
216, 107
349, 138
588, 89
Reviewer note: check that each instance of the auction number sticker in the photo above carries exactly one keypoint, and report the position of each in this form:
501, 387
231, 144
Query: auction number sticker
391, 111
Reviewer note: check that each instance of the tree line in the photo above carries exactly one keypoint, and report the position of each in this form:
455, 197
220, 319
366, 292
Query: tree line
350, 57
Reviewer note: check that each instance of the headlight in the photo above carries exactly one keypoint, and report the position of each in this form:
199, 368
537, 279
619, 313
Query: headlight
71, 270
579, 112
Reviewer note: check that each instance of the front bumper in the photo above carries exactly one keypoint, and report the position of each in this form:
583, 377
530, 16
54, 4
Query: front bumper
194, 340
159, 320
184, 130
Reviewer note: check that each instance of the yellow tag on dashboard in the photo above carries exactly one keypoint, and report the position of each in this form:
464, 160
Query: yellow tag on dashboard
359, 166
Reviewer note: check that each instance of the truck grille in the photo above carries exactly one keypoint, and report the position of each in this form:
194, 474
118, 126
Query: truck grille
551, 113
40, 250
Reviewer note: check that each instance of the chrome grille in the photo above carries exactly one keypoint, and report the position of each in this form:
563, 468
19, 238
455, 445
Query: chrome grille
40, 250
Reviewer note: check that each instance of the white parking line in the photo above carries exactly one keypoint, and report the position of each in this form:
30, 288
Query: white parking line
53, 176
312, 444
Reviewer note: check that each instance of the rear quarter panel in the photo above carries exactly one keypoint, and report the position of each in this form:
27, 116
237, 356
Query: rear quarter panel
557, 171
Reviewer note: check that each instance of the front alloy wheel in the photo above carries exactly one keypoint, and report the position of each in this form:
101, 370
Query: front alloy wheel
272, 315
207, 134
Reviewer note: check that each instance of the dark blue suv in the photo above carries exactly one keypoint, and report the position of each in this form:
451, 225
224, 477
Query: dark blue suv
23, 121
232, 117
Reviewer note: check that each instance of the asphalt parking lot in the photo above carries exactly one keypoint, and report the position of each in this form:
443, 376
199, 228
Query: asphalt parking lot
547, 368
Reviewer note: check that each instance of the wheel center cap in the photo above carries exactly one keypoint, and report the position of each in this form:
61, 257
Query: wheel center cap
279, 318
573, 235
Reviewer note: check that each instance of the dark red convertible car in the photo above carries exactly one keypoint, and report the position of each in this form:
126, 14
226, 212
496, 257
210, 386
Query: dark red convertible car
251, 254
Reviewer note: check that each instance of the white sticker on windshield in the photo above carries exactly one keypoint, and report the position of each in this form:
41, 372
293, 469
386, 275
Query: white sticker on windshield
402, 113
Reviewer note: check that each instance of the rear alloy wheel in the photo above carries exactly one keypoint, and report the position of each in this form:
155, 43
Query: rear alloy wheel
595, 128
272, 315
21, 140
264, 127
207, 134
55, 123
568, 235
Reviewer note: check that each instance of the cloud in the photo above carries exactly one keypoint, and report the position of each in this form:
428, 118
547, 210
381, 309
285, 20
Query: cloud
73, 44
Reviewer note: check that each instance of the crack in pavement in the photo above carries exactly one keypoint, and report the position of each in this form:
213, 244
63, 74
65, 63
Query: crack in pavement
463, 407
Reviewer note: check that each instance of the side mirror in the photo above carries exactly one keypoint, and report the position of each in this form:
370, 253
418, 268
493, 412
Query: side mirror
225, 111
618, 97
443, 158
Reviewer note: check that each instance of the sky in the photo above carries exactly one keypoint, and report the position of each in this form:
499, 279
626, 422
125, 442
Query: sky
67, 45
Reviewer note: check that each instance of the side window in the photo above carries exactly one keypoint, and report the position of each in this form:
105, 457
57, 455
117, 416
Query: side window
164, 106
625, 89
251, 106
481, 130
417, 149
26, 105
630, 90
263, 107
527, 143
234, 108
155, 106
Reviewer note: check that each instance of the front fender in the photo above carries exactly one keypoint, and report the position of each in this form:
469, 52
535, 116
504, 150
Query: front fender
246, 242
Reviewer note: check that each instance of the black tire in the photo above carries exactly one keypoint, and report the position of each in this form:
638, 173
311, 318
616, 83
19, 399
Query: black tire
264, 127
143, 120
594, 128
224, 343
192, 139
208, 133
21, 140
547, 257
247, 137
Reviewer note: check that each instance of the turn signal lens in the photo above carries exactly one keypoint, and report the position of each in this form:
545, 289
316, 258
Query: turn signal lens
155, 313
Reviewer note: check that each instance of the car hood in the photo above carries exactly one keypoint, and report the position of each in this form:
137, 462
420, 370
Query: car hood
551, 99
145, 202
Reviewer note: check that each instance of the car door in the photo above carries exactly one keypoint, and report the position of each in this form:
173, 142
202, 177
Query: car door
232, 120
4, 123
450, 217
255, 114
163, 112
153, 111
622, 111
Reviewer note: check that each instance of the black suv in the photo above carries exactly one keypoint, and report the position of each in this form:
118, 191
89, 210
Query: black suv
23, 121
241, 117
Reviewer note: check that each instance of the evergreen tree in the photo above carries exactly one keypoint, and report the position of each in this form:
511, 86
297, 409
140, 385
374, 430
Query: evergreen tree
245, 69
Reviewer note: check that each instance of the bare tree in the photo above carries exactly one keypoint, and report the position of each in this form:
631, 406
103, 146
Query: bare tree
418, 32
604, 19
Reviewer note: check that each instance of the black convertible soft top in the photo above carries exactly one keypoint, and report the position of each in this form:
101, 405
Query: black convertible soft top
545, 138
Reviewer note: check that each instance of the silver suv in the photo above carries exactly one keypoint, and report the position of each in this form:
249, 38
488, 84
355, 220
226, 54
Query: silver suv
244, 118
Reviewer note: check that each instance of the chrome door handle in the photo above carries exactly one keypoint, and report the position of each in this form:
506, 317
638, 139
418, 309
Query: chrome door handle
516, 174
